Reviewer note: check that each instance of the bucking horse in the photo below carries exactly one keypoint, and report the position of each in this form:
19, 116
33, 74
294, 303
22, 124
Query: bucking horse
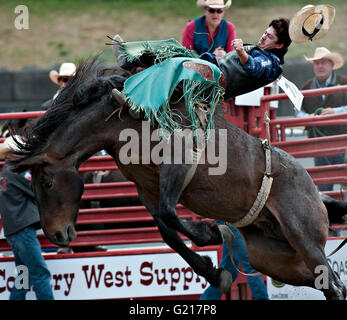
285, 240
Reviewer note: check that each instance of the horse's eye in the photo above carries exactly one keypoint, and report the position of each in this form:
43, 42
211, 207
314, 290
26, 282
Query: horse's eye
47, 182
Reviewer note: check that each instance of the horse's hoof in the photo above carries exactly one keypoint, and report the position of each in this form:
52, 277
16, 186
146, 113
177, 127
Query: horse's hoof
225, 281
226, 233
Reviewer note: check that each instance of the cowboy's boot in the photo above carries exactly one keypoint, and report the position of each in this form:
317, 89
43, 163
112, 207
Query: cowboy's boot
121, 59
116, 39
119, 97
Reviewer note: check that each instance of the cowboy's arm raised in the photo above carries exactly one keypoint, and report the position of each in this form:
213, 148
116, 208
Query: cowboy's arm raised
258, 65
238, 45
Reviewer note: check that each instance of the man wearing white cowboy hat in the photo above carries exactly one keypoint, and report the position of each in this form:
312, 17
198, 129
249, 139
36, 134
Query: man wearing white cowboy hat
324, 64
66, 70
210, 33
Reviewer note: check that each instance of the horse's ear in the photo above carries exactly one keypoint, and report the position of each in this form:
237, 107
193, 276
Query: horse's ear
20, 165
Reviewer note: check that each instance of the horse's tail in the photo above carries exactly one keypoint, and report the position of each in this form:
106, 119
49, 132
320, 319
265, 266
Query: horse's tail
336, 209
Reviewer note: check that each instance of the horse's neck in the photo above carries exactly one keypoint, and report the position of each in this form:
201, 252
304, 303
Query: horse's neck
87, 136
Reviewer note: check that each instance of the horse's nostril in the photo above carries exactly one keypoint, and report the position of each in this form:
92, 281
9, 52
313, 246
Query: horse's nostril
58, 236
71, 233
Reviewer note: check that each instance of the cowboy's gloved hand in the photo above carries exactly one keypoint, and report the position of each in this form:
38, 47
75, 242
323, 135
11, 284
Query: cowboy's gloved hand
238, 45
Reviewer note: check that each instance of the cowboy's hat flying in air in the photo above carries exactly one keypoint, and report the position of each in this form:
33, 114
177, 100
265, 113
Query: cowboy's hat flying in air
311, 23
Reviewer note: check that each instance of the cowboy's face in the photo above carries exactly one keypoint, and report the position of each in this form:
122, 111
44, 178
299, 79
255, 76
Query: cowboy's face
322, 68
62, 81
269, 40
214, 16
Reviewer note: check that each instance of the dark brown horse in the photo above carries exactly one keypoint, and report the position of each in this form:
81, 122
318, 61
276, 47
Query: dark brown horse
286, 241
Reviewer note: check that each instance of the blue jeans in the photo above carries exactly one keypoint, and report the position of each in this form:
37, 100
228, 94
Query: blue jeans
256, 283
27, 251
326, 161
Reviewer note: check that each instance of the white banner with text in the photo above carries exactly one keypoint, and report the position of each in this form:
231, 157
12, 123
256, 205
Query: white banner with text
113, 277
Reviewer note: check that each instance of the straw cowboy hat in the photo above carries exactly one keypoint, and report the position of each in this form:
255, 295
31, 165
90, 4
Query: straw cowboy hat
311, 23
214, 4
67, 69
8, 145
324, 53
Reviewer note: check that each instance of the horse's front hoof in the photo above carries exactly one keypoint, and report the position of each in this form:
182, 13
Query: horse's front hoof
225, 281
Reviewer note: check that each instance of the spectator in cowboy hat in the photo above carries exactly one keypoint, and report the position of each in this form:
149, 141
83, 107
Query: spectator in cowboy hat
66, 70
210, 33
60, 78
324, 64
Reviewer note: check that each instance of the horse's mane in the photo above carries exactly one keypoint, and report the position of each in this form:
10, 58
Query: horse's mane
90, 83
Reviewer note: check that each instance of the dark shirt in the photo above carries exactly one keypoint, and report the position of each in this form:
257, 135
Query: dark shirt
262, 68
17, 202
263, 64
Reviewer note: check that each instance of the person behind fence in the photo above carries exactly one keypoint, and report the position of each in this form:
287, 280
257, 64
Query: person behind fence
210, 33
324, 64
20, 219
66, 70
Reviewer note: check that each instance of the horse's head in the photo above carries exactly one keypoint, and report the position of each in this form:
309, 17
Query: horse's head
58, 189
54, 147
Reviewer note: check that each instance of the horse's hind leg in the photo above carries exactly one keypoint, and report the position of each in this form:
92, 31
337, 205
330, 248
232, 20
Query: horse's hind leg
202, 265
171, 182
305, 226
